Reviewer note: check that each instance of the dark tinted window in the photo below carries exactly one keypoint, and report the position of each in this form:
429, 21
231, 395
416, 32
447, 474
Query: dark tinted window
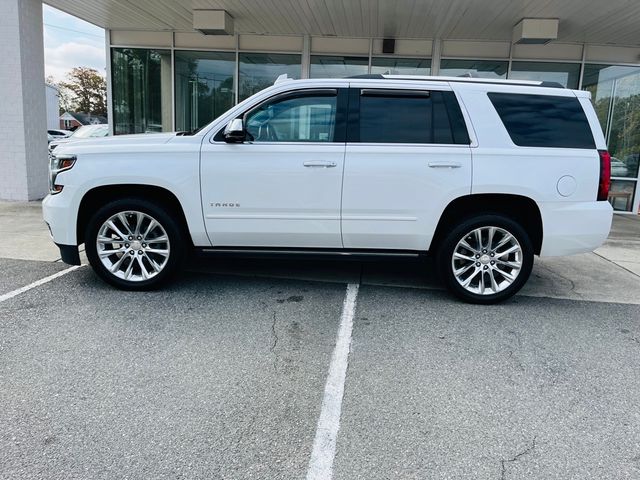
543, 120
403, 116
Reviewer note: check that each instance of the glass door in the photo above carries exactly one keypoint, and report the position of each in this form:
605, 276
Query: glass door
615, 91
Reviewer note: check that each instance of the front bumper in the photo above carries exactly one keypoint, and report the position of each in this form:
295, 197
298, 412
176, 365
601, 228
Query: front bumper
60, 213
60, 216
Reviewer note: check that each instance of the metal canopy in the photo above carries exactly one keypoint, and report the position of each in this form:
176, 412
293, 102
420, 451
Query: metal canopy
593, 21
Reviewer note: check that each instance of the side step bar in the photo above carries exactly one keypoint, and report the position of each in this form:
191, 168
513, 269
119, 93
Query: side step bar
307, 253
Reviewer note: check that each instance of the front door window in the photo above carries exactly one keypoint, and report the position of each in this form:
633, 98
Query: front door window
308, 118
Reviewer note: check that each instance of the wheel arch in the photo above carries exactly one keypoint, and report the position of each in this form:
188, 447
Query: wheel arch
98, 196
521, 209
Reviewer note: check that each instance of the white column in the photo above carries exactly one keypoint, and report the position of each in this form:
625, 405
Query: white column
23, 136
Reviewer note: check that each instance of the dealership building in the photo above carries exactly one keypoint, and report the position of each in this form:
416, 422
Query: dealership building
176, 65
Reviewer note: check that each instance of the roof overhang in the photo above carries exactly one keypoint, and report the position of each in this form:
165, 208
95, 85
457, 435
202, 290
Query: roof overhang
584, 21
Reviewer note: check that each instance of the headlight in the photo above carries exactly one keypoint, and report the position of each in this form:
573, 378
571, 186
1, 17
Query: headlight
57, 164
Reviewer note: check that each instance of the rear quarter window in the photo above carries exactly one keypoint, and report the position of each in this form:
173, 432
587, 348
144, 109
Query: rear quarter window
543, 120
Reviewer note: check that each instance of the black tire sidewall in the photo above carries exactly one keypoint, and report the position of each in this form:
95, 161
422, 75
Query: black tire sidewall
446, 249
161, 214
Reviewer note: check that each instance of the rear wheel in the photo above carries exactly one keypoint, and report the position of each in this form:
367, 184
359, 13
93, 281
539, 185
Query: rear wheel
134, 244
485, 259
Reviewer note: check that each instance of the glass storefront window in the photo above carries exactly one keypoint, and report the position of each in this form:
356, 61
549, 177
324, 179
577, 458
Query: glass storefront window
566, 74
259, 70
477, 68
141, 90
324, 66
204, 87
621, 194
400, 66
615, 92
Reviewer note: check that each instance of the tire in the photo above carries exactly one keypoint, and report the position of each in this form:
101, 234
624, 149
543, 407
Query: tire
160, 246
485, 275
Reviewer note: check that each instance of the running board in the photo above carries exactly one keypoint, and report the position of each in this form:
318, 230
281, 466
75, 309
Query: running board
309, 253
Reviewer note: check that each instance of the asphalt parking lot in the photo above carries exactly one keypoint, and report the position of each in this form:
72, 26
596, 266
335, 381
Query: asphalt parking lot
223, 374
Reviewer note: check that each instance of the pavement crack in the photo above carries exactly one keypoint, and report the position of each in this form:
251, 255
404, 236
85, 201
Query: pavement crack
516, 335
616, 264
526, 451
274, 333
566, 279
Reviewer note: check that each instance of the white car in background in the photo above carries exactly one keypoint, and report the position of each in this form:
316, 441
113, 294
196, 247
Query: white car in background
58, 133
84, 132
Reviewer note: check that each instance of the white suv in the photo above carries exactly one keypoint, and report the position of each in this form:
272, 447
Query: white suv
483, 174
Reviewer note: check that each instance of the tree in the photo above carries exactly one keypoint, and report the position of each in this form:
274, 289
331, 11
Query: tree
88, 90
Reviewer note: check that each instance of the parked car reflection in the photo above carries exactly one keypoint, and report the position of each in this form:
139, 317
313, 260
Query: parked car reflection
86, 131
618, 168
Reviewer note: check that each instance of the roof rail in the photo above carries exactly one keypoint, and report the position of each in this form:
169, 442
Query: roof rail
461, 79
372, 76
552, 85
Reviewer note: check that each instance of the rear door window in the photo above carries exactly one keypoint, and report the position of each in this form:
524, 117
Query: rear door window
543, 120
408, 116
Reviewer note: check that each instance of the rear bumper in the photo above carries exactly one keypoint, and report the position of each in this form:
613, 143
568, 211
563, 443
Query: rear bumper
574, 227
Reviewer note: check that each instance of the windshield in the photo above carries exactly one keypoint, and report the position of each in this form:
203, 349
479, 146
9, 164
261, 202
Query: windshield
91, 131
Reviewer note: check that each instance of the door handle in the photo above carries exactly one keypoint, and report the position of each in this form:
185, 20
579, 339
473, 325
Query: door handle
320, 164
445, 164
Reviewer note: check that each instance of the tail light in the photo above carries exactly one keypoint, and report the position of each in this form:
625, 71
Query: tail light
605, 175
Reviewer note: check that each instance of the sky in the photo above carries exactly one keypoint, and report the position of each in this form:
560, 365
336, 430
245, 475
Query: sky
70, 42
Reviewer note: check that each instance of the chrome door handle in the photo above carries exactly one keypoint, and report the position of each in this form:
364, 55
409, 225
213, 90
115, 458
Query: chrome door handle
445, 164
320, 163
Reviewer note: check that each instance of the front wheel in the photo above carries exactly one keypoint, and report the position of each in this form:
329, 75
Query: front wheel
134, 244
485, 259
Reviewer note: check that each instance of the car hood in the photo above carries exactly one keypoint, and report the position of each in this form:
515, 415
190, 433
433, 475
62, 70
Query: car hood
118, 140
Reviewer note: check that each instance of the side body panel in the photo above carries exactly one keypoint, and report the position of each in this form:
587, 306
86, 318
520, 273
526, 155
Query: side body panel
270, 193
262, 194
171, 163
562, 181
394, 193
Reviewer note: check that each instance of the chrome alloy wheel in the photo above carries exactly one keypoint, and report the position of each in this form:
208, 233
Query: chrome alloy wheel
487, 260
133, 246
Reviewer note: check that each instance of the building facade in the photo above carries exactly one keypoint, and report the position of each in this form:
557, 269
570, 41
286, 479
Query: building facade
164, 81
178, 65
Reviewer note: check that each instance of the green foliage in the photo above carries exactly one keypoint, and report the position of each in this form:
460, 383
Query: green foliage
86, 90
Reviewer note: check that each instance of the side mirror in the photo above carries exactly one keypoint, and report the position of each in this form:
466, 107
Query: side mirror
234, 132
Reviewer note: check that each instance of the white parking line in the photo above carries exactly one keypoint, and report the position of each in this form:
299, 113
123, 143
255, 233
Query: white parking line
324, 444
37, 283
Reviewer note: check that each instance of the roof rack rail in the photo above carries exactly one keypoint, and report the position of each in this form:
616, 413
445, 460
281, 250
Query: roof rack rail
465, 78
371, 76
552, 85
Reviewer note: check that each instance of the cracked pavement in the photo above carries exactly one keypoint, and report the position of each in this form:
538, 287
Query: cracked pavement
503, 462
